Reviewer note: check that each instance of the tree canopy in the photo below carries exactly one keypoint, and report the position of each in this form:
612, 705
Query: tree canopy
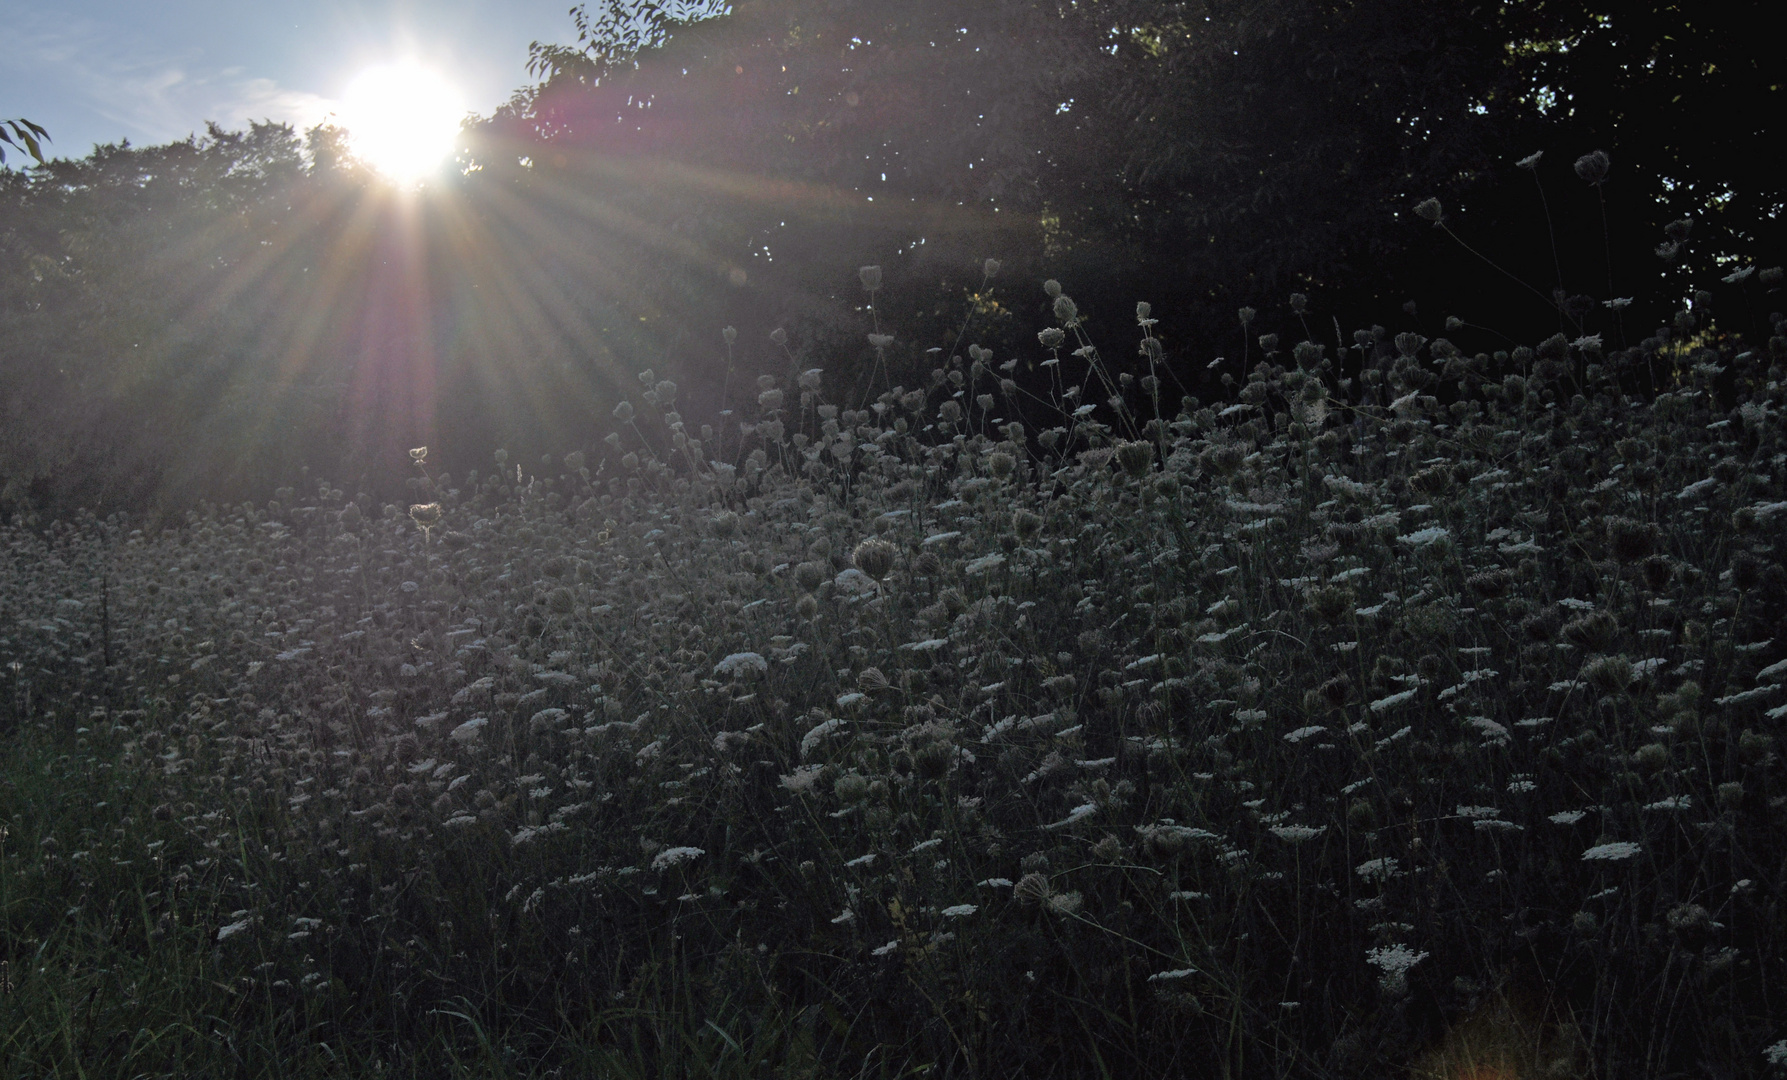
1210, 154
214, 314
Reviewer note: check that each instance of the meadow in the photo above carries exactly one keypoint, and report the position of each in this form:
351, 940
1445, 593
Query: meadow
1423, 721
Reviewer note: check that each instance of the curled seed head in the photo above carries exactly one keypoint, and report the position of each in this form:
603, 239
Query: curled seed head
1592, 167
874, 557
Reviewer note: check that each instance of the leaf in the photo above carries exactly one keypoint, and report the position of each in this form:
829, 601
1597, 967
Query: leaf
24, 134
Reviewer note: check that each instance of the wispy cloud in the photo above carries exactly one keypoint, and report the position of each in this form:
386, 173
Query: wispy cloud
148, 95
169, 100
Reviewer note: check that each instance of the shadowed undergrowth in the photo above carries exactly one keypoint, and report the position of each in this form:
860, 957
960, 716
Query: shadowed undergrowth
1428, 722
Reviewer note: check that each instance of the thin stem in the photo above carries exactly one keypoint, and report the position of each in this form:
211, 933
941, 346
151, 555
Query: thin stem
972, 304
725, 396
1550, 302
1545, 204
1607, 252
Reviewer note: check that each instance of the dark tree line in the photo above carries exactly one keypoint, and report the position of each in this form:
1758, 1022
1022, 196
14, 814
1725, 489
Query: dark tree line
1203, 156
208, 317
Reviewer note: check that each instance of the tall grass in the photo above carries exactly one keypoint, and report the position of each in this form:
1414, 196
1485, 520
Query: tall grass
1423, 718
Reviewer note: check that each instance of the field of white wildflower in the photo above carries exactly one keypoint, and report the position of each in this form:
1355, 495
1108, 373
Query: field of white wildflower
970, 730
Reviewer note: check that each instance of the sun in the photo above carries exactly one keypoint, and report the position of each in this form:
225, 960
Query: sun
402, 119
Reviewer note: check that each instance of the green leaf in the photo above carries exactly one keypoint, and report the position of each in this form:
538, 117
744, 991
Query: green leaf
24, 134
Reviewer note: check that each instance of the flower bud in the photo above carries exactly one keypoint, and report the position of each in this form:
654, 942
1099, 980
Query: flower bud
871, 277
730, 334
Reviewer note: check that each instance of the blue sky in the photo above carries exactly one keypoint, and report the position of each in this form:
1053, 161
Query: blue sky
97, 71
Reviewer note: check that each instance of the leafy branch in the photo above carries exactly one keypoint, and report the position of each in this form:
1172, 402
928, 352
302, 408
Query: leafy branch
22, 134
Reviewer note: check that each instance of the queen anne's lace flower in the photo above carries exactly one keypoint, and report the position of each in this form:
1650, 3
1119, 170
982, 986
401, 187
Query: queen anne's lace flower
676, 856
742, 663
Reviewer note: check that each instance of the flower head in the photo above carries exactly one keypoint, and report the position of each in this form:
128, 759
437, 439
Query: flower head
874, 557
742, 663
1394, 958
1592, 167
426, 515
1296, 834
676, 856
